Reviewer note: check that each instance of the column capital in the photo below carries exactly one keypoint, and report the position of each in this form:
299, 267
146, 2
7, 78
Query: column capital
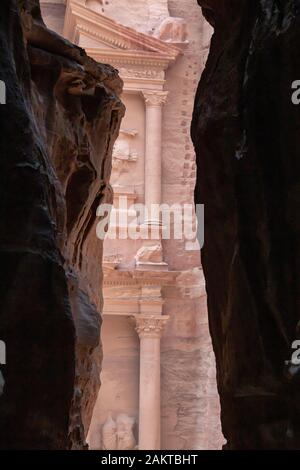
150, 326
155, 97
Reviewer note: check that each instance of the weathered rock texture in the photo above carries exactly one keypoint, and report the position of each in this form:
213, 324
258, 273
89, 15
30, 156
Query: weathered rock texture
57, 131
246, 133
190, 402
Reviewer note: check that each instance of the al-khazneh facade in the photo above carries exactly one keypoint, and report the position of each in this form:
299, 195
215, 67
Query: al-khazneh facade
158, 376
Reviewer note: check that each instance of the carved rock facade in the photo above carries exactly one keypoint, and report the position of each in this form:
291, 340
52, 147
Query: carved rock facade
57, 134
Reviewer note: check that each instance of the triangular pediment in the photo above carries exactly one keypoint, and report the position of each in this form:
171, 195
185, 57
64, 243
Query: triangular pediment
105, 33
88, 41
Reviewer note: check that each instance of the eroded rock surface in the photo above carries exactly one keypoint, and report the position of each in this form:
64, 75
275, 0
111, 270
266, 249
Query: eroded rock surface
246, 133
57, 133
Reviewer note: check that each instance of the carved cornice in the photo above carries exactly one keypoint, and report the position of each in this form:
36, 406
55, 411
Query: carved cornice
155, 98
150, 326
132, 62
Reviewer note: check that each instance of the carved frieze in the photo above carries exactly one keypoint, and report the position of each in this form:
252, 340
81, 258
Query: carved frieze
145, 73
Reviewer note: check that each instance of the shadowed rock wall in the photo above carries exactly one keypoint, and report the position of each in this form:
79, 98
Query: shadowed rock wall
57, 132
246, 134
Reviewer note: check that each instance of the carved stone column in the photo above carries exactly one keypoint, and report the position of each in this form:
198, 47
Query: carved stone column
154, 102
149, 329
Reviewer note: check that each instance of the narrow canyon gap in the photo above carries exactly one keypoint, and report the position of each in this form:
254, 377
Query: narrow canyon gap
59, 125
160, 48
246, 134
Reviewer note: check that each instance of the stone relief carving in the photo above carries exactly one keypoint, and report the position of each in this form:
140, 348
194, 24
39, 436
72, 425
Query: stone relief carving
123, 149
112, 258
109, 434
123, 154
149, 254
133, 73
172, 30
118, 434
125, 436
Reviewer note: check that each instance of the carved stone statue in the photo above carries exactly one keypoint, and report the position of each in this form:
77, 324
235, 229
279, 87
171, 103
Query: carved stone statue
126, 439
109, 434
172, 30
149, 254
118, 434
123, 154
122, 148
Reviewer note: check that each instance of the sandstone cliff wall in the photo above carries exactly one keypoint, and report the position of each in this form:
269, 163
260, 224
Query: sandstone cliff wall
57, 132
190, 403
246, 133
